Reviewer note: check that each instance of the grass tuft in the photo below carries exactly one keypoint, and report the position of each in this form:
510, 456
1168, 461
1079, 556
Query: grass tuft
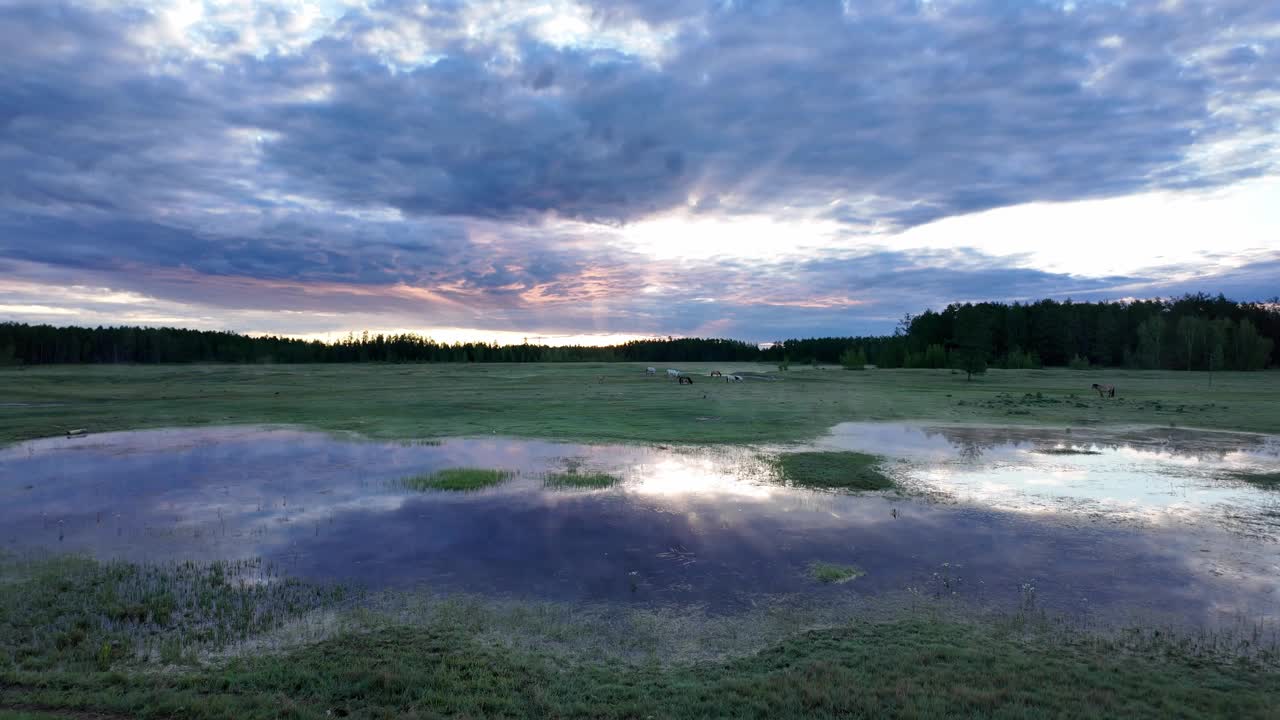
1269, 480
834, 573
456, 479
575, 479
843, 470
74, 614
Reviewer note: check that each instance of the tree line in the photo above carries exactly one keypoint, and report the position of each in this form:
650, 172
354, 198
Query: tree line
47, 344
1194, 332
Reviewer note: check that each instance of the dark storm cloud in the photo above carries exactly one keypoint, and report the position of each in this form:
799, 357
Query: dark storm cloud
952, 107
368, 154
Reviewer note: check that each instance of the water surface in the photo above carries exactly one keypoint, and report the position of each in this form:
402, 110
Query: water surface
686, 525
1156, 475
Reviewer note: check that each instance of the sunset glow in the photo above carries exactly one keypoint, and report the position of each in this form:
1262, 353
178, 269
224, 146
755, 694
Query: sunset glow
594, 172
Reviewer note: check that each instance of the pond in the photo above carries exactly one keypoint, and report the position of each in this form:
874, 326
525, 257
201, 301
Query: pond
708, 526
1151, 475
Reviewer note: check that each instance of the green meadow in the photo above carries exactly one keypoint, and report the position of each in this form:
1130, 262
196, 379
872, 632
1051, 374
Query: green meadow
613, 401
83, 639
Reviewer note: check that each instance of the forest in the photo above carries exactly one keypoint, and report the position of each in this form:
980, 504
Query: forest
1193, 332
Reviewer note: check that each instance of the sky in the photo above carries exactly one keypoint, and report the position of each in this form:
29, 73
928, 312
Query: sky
592, 172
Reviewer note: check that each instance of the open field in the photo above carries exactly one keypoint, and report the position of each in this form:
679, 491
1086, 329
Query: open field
898, 633
599, 402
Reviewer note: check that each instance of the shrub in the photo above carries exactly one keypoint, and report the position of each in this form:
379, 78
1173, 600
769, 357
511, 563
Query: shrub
853, 359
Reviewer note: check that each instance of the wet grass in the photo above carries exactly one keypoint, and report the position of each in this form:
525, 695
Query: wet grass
565, 401
75, 614
1270, 480
456, 479
527, 660
579, 479
834, 573
833, 470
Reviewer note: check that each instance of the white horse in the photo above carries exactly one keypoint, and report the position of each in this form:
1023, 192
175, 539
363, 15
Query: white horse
673, 373
733, 378
651, 371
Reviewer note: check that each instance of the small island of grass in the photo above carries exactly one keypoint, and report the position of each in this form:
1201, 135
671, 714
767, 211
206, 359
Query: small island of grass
1067, 451
576, 479
834, 573
456, 479
1269, 480
840, 470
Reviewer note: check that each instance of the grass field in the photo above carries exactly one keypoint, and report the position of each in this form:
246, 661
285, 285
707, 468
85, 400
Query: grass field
479, 659
87, 640
569, 401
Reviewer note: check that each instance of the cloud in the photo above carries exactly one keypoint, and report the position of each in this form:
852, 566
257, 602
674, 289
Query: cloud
498, 164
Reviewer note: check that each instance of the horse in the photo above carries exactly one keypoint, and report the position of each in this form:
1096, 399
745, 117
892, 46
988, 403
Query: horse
716, 373
651, 371
1105, 391
733, 378
673, 373
685, 380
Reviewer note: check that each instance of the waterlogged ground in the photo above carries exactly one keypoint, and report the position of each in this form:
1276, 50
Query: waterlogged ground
1149, 475
1151, 524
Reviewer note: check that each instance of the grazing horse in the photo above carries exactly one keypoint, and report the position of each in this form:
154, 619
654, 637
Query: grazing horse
685, 380
716, 373
733, 378
673, 373
651, 371
1105, 391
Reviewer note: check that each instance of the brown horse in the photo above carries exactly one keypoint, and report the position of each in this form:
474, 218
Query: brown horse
1105, 391
686, 380
716, 373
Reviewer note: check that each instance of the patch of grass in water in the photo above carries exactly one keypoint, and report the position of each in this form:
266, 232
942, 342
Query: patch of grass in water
1066, 451
456, 479
576, 479
845, 470
78, 615
1269, 480
834, 573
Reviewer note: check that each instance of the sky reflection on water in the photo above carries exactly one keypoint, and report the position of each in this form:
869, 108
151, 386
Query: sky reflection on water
685, 525
1155, 475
